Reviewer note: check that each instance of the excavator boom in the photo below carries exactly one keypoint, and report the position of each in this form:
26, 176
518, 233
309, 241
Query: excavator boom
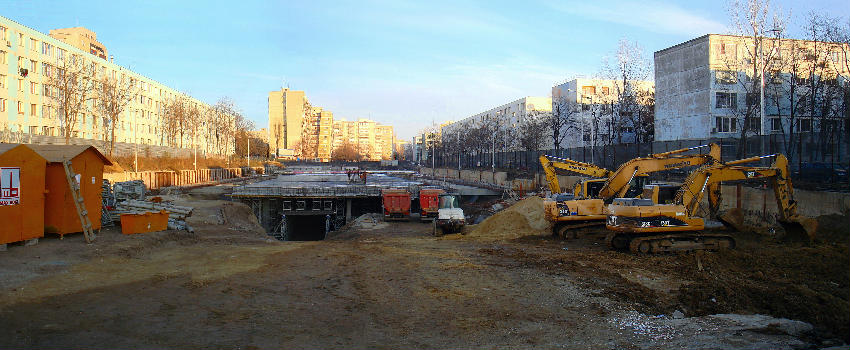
620, 182
550, 163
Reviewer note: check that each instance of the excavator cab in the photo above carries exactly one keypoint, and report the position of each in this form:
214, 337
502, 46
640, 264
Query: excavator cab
660, 193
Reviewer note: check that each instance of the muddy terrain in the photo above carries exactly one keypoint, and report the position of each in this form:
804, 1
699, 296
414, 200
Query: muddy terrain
376, 285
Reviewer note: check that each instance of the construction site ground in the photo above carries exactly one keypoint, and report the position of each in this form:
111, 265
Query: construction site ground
393, 285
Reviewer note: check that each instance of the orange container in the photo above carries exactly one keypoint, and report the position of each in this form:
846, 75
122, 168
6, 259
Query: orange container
141, 223
21, 193
60, 213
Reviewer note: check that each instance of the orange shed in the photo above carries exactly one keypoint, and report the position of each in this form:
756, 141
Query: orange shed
21, 193
60, 215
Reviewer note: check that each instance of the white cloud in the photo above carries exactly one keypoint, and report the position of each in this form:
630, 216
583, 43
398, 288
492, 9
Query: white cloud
653, 16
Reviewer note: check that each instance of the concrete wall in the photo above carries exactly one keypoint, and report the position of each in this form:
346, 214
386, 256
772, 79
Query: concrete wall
159, 179
760, 204
682, 91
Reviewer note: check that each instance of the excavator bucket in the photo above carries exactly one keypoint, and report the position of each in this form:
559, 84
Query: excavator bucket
799, 228
733, 217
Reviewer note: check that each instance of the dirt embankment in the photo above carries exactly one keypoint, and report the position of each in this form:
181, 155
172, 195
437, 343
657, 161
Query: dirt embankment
525, 218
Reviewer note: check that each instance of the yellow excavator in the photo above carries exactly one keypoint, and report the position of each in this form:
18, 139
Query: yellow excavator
639, 225
586, 206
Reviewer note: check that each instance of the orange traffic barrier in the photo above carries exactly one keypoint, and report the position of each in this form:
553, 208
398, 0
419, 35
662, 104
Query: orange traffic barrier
142, 223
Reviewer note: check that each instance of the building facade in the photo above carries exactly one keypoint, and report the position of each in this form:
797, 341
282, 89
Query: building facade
317, 135
708, 86
507, 116
286, 117
30, 63
596, 113
370, 139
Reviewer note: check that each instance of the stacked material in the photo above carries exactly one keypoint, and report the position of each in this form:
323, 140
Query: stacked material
127, 190
176, 214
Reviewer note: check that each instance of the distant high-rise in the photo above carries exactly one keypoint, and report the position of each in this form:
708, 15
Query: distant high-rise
286, 117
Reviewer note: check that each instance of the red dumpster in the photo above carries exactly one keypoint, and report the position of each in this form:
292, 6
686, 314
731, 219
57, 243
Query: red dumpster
396, 203
428, 203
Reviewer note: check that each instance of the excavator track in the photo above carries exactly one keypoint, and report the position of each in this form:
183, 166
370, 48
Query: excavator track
567, 231
679, 242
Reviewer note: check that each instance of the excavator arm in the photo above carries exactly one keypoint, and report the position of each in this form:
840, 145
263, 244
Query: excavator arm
693, 190
550, 163
620, 181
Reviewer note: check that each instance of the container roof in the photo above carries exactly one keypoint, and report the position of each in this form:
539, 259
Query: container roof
60, 153
6, 147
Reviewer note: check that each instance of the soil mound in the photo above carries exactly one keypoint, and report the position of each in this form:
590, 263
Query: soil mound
218, 217
525, 218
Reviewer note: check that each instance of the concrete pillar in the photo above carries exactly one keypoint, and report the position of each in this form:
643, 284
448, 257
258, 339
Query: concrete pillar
347, 210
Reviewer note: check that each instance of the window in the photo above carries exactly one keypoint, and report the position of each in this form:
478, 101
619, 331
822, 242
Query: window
33, 130
804, 125
2, 81
32, 109
2, 57
21, 85
755, 124
588, 90
33, 67
33, 44
725, 124
21, 39
20, 107
726, 100
775, 124
2, 33
33, 88
2, 104
753, 99
725, 77
605, 90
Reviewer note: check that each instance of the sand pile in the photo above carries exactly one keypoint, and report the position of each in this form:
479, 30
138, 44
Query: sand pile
525, 218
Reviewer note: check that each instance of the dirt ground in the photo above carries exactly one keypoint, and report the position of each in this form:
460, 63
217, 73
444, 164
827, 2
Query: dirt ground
395, 286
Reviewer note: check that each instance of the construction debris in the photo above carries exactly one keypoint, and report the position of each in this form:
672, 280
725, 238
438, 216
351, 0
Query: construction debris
176, 214
134, 189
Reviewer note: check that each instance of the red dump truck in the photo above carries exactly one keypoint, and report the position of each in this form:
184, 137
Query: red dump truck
429, 203
396, 204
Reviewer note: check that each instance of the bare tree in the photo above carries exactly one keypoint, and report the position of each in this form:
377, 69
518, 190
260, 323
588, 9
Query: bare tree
563, 119
71, 83
533, 130
114, 94
754, 21
628, 68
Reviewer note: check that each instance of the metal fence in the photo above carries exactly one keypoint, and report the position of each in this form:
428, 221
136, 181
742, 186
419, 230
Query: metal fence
804, 153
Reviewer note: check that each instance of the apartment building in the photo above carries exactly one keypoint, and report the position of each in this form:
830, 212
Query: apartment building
507, 116
29, 104
317, 135
384, 141
81, 38
372, 140
286, 117
705, 87
597, 115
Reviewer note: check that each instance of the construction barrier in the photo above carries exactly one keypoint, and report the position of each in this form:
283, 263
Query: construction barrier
166, 178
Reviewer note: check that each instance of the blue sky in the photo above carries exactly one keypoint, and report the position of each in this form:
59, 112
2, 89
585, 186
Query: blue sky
400, 63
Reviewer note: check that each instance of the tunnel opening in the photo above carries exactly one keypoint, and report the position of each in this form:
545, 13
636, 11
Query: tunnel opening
307, 227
